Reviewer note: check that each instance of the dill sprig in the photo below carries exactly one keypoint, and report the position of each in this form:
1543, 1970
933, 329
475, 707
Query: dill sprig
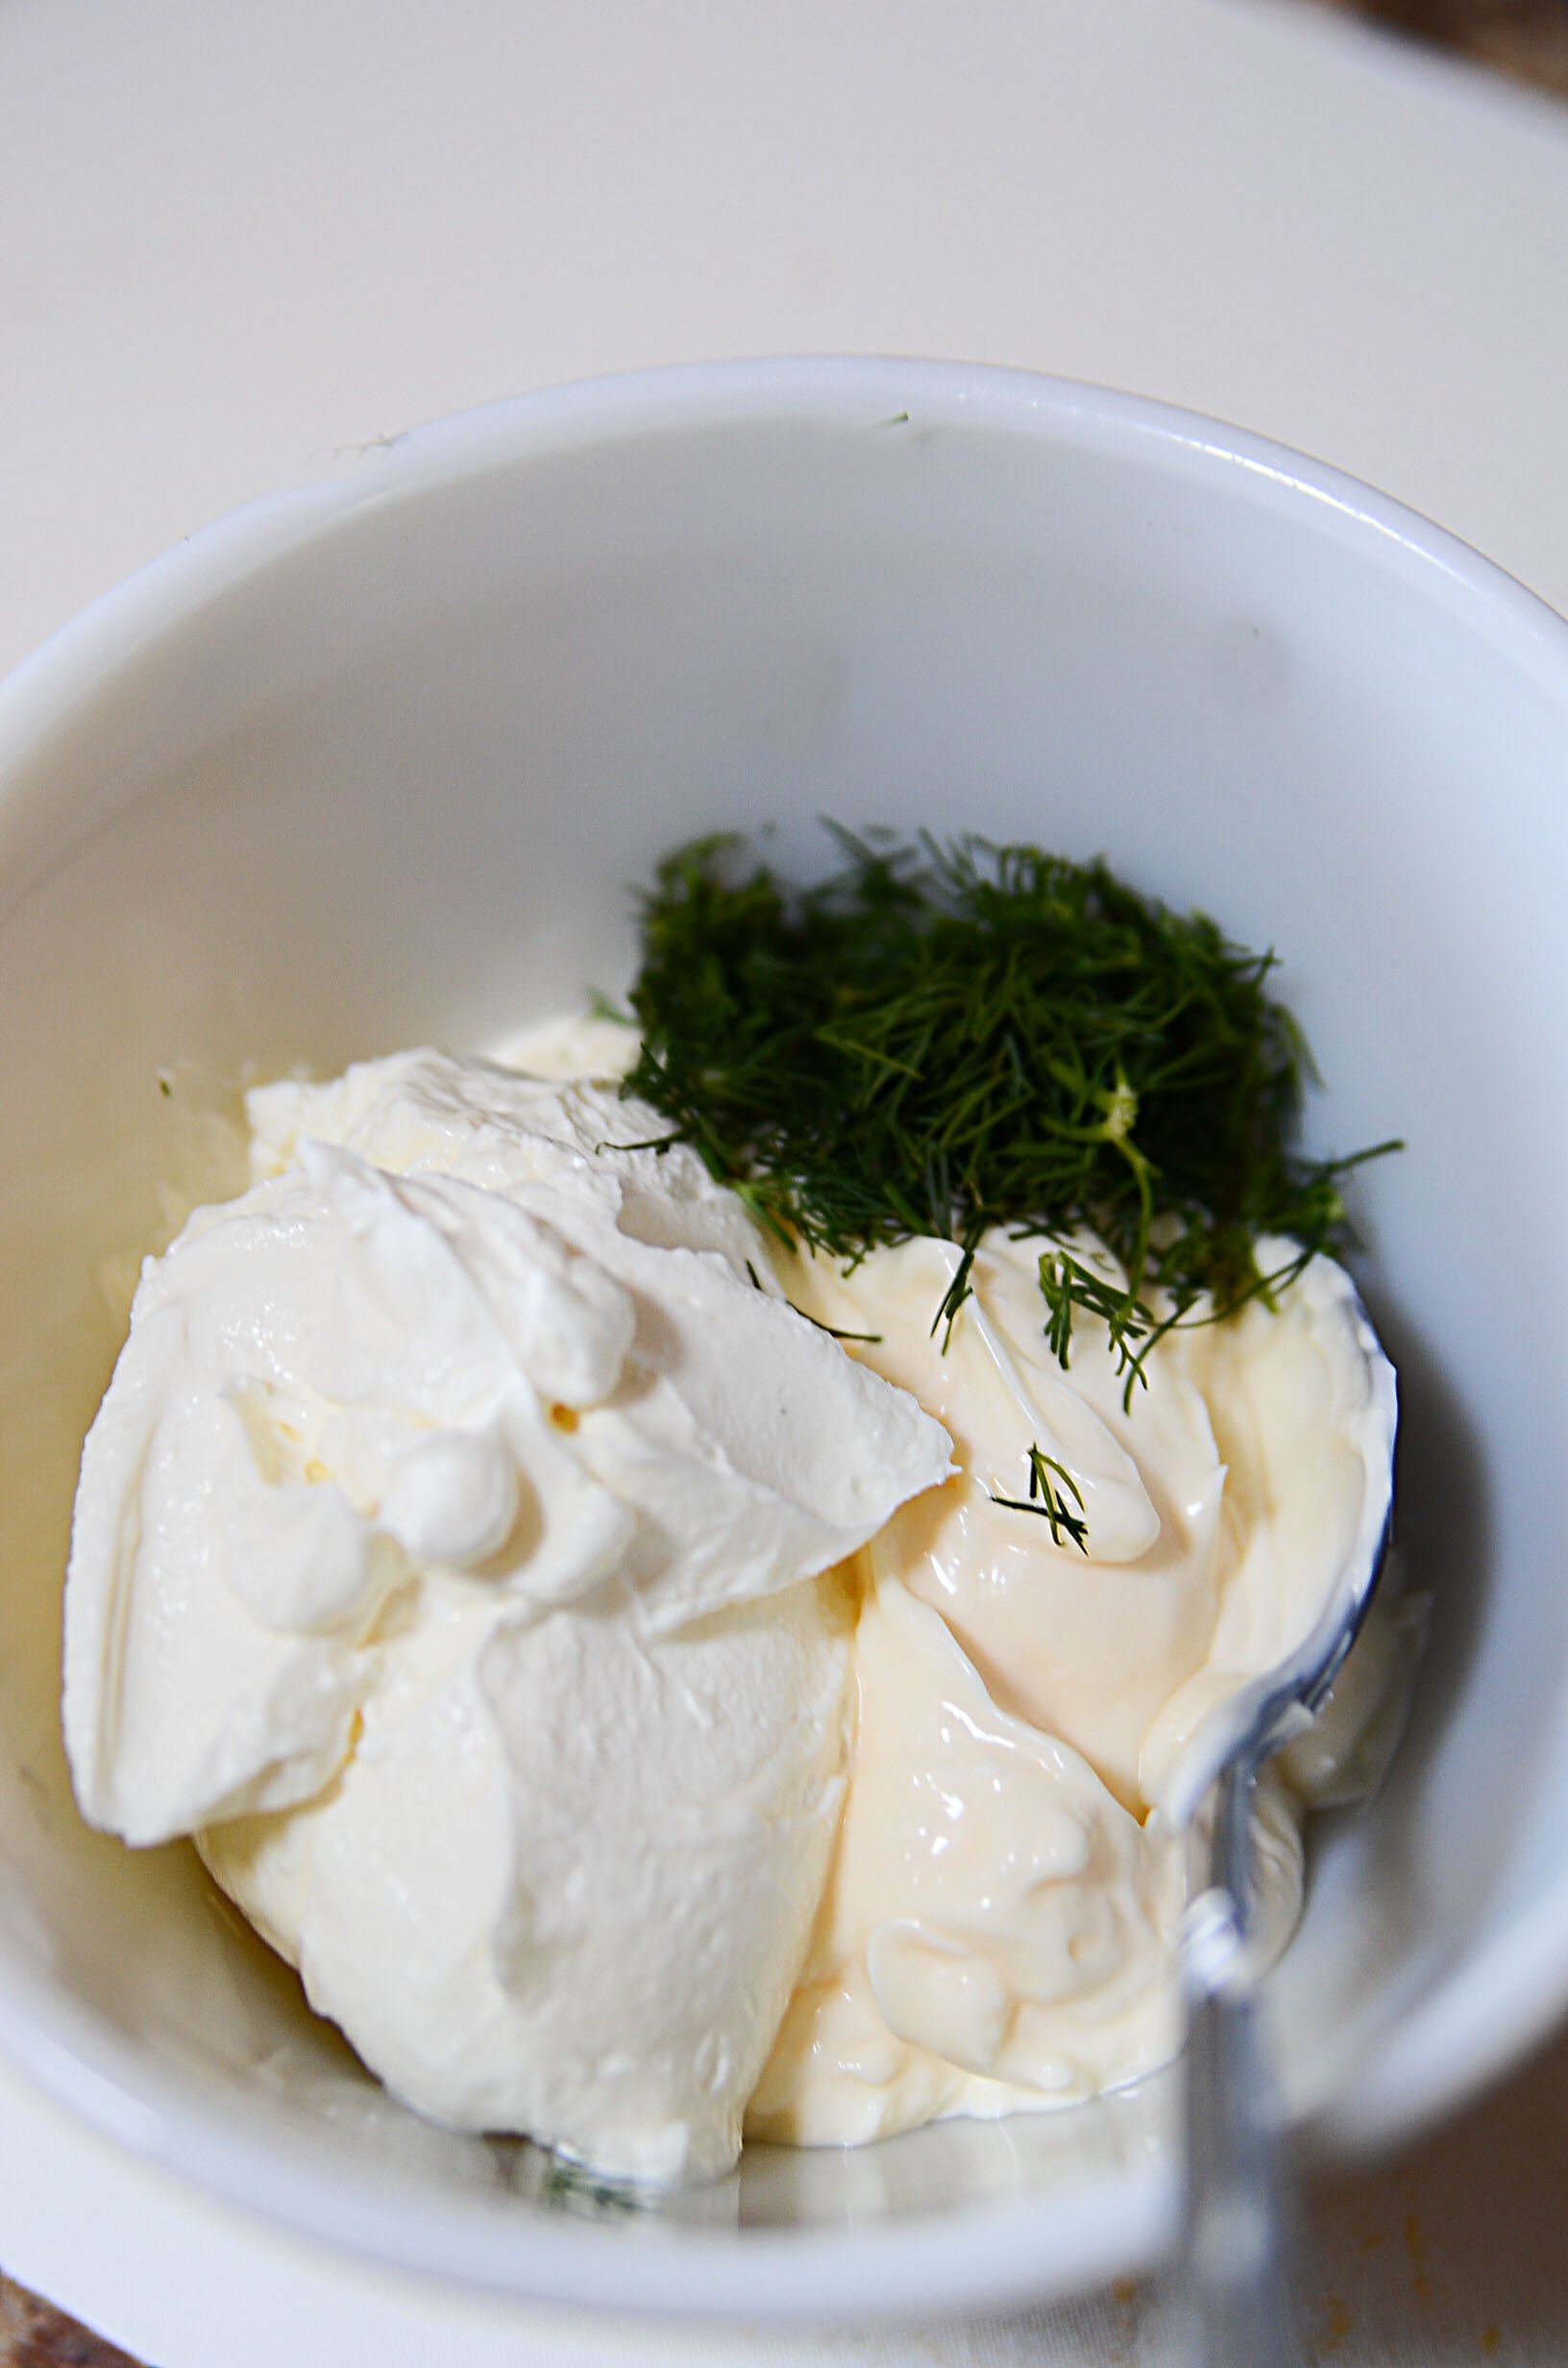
950, 1035
1048, 1499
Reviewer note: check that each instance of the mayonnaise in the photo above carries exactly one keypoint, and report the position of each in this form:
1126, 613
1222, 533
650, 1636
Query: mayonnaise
998, 1930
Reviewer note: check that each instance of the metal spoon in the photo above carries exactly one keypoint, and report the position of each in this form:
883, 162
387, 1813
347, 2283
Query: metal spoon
1232, 2265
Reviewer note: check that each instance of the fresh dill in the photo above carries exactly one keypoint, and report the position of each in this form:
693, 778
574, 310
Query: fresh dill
948, 1035
1045, 1497
572, 2186
957, 1289
833, 1331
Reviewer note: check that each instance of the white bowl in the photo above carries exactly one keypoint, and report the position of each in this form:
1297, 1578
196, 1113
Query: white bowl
377, 764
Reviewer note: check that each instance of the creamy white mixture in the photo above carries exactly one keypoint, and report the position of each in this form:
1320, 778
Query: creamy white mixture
459, 1492
998, 1930
623, 1702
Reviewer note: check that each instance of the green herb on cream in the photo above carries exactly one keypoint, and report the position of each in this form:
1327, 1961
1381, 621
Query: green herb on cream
1046, 1498
948, 1035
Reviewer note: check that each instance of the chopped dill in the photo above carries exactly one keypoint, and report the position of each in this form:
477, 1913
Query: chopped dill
948, 1035
831, 1329
1045, 1498
575, 2187
957, 1291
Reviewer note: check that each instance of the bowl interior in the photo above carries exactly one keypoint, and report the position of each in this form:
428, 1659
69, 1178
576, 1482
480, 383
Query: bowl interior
378, 768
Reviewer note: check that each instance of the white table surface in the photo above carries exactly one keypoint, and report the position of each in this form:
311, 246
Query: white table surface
240, 246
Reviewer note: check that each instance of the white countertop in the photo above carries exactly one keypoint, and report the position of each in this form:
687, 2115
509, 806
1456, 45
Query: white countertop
240, 247
239, 244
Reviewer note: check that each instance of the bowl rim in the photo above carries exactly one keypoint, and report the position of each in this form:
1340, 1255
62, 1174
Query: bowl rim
993, 2253
840, 389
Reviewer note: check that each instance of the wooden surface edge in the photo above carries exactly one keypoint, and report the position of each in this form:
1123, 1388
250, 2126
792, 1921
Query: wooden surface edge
1527, 39
32, 2334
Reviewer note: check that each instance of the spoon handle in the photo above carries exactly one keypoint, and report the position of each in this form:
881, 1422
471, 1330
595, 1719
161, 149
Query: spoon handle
1235, 2256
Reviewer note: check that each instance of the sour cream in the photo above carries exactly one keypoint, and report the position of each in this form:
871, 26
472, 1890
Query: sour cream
453, 1555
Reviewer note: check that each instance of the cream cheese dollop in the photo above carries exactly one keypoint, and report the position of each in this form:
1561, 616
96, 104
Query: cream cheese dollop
452, 1555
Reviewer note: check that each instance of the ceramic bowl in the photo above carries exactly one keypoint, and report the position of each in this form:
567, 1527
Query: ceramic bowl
379, 764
